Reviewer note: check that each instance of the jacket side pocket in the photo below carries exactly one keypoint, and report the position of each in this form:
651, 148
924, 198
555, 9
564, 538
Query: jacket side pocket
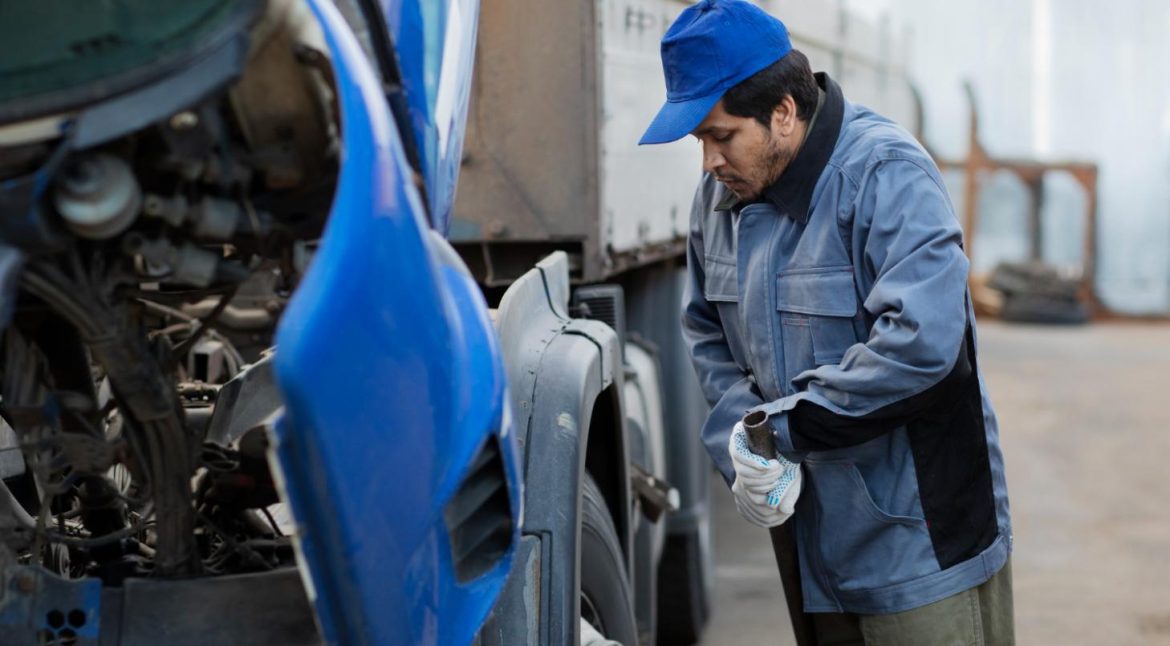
860, 545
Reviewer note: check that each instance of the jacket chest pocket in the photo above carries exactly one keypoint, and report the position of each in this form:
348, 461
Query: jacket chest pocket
816, 308
720, 282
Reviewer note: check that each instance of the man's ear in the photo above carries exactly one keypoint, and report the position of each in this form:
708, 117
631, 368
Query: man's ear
784, 116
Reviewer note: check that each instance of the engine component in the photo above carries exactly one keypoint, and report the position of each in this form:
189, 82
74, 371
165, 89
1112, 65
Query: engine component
207, 361
239, 478
172, 210
87, 454
101, 507
25, 222
248, 401
187, 263
211, 218
11, 261
97, 196
149, 401
232, 316
11, 463
114, 356
284, 136
14, 520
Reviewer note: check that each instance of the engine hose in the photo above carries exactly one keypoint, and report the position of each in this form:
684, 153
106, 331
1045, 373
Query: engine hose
60, 300
176, 554
13, 510
149, 398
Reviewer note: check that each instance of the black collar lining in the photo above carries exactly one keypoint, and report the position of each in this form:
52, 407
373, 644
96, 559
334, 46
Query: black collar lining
792, 192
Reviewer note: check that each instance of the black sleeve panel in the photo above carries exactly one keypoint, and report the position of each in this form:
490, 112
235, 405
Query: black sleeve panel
814, 428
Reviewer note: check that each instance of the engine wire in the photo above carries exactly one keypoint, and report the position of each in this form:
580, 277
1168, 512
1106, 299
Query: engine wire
205, 323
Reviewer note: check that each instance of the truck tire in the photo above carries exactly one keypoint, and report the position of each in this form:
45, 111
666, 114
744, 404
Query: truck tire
604, 587
683, 606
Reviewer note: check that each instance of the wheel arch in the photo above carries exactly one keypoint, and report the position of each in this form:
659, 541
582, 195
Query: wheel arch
566, 380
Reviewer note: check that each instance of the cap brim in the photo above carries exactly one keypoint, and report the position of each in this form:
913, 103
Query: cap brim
677, 119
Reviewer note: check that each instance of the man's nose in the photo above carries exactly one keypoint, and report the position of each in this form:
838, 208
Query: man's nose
712, 159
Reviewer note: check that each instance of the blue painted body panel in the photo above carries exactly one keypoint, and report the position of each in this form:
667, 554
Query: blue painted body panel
435, 40
393, 380
24, 618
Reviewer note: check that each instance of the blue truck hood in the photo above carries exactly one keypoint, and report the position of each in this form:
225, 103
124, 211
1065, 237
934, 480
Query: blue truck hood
435, 41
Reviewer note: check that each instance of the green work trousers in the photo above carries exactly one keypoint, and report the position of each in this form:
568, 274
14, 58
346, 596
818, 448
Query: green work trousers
981, 616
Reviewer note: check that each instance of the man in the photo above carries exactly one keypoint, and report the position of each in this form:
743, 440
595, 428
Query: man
828, 290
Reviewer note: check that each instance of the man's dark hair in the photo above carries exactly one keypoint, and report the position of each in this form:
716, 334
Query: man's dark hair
759, 94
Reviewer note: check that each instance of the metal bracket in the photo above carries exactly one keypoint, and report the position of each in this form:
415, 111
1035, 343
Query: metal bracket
38, 607
655, 495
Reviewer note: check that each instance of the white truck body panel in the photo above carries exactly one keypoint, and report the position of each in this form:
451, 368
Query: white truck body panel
646, 191
563, 92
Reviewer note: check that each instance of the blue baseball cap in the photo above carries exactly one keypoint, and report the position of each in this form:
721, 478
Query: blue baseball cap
711, 48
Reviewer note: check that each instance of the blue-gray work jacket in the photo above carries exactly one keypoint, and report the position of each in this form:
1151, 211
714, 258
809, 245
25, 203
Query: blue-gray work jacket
838, 304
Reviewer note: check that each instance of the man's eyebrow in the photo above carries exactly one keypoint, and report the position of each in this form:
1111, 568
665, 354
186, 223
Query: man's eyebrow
706, 130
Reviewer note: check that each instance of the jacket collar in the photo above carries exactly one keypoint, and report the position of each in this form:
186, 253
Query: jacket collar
791, 194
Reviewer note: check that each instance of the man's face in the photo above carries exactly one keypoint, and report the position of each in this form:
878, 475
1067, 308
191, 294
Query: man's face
745, 155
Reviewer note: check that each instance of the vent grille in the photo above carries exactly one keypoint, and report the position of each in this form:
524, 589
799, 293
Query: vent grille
479, 516
605, 303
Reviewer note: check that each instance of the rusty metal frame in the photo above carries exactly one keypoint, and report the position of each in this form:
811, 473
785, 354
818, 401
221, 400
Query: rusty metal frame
980, 163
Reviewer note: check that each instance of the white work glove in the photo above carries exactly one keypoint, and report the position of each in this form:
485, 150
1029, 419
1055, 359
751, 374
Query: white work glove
765, 490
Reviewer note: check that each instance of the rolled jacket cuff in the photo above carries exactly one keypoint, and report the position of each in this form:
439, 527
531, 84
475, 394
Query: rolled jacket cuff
777, 412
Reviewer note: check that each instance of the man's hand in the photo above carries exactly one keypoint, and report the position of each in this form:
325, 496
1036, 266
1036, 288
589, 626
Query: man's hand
765, 490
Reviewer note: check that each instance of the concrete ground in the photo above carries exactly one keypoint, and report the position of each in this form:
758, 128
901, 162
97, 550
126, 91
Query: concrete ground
1085, 424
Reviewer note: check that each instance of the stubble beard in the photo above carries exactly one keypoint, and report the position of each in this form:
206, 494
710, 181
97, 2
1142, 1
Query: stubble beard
771, 167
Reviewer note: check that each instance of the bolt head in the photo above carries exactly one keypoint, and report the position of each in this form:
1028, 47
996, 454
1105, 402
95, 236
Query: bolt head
184, 120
